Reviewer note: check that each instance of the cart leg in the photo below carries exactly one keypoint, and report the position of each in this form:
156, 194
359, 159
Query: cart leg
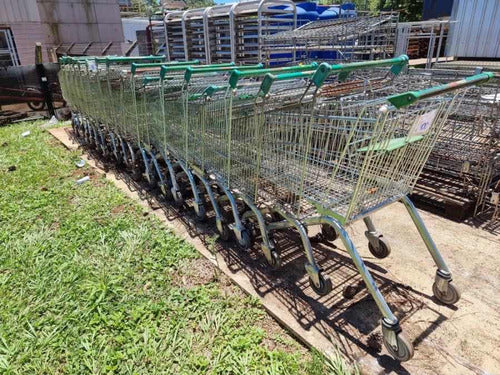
377, 244
319, 282
222, 227
199, 206
268, 247
161, 178
114, 146
175, 189
238, 228
102, 141
147, 166
394, 339
443, 288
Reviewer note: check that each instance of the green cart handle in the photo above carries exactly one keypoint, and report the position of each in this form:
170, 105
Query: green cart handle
122, 59
147, 80
209, 91
237, 74
268, 80
165, 68
136, 66
203, 70
325, 70
410, 97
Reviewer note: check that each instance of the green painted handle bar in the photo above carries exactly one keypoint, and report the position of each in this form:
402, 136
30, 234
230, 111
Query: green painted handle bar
268, 80
136, 66
410, 97
165, 68
121, 59
237, 74
325, 70
203, 70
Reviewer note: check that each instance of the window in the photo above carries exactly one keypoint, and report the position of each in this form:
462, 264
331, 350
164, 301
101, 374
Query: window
8, 53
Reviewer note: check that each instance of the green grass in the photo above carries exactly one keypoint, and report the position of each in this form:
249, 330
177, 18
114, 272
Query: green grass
89, 285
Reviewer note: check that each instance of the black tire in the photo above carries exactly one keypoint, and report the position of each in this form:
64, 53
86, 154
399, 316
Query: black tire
276, 261
325, 285
201, 214
404, 352
328, 233
451, 296
36, 106
383, 250
246, 240
225, 234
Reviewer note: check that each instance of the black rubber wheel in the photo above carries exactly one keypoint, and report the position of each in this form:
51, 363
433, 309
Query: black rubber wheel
329, 233
201, 214
165, 190
404, 352
451, 296
136, 173
246, 241
36, 106
225, 234
275, 262
178, 198
382, 250
325, 285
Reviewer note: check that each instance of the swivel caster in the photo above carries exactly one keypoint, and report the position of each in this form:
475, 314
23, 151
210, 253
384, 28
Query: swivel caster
272, 256
246, 240
224, 232
275, 262
324, 285
201, 213
444, 289
328, 233
396, 342
379, 248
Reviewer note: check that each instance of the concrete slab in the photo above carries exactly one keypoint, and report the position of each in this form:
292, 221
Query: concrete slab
448, 340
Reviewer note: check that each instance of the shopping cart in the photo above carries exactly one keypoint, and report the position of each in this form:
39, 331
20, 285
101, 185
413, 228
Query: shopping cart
334, 162
208, 142
235, 154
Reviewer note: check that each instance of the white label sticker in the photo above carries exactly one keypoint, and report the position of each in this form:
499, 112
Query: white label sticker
423, 123
92, 65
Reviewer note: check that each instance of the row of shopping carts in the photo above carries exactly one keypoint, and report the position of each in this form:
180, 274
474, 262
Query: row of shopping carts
273, 149
229, 32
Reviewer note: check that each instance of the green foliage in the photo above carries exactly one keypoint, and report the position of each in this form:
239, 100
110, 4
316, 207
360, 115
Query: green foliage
88, 283
410, 10
193, 4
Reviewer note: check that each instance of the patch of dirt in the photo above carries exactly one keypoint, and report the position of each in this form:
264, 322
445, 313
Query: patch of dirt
195, 272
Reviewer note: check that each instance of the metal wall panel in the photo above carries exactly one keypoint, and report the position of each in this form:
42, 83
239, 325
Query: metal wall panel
475, 30
14, 11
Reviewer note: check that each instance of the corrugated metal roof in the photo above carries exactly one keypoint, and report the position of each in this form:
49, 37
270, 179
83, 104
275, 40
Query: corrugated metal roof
15, 11
476, 32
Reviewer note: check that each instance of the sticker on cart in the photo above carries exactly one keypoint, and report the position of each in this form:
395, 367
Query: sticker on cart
423, 123
92, 65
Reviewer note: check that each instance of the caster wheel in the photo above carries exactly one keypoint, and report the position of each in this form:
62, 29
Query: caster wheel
404, 351
275, 262
325, 285
328, 233
178, 198
450, 297
152, 182
201, 214
382, 250
225, 234
136, 174
246, 241
165, 191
